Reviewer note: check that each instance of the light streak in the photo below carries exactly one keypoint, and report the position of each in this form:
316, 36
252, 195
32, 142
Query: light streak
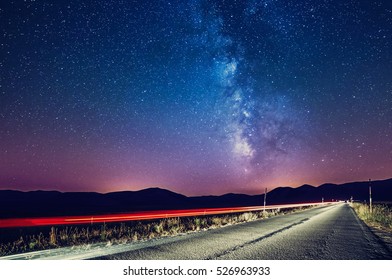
139, 216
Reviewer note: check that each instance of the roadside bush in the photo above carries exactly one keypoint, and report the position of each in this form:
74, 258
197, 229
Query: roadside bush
380, 216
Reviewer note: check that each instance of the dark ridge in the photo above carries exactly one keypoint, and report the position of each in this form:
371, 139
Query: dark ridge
53, 203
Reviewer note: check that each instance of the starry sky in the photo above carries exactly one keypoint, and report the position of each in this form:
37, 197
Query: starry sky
199, 97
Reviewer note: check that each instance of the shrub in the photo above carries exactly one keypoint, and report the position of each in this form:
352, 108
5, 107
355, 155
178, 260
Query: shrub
380, 216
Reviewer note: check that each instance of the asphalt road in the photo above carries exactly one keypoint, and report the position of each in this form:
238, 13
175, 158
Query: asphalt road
331, 232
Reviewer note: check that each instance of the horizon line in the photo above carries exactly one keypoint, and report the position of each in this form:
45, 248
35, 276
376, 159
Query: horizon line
168, 189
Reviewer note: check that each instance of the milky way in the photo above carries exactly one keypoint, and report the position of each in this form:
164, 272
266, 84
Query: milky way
200, 97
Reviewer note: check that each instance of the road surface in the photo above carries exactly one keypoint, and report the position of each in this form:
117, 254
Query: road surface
332, 232
326, 232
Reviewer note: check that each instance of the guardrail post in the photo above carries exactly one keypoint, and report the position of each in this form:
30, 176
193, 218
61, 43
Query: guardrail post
370, 196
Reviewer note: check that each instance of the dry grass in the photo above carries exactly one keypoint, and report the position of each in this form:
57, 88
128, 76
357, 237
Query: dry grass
381, 215
116, 233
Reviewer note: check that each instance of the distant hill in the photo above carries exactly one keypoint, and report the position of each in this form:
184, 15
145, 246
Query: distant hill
381, 191
53, 203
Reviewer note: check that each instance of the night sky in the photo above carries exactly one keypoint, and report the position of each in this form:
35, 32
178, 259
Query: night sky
199, 97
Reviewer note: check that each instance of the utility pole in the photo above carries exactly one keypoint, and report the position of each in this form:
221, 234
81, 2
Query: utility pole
322, 200
370, 195
265, 198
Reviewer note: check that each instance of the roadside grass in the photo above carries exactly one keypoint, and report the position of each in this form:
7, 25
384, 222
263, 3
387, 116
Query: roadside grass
34, 239
380, 217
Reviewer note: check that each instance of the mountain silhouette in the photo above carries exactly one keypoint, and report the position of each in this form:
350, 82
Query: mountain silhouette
53, 203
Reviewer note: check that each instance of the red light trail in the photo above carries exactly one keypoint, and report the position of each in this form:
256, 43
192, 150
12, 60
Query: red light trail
138, 216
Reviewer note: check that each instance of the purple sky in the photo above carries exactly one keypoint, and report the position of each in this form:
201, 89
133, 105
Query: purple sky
199, 97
